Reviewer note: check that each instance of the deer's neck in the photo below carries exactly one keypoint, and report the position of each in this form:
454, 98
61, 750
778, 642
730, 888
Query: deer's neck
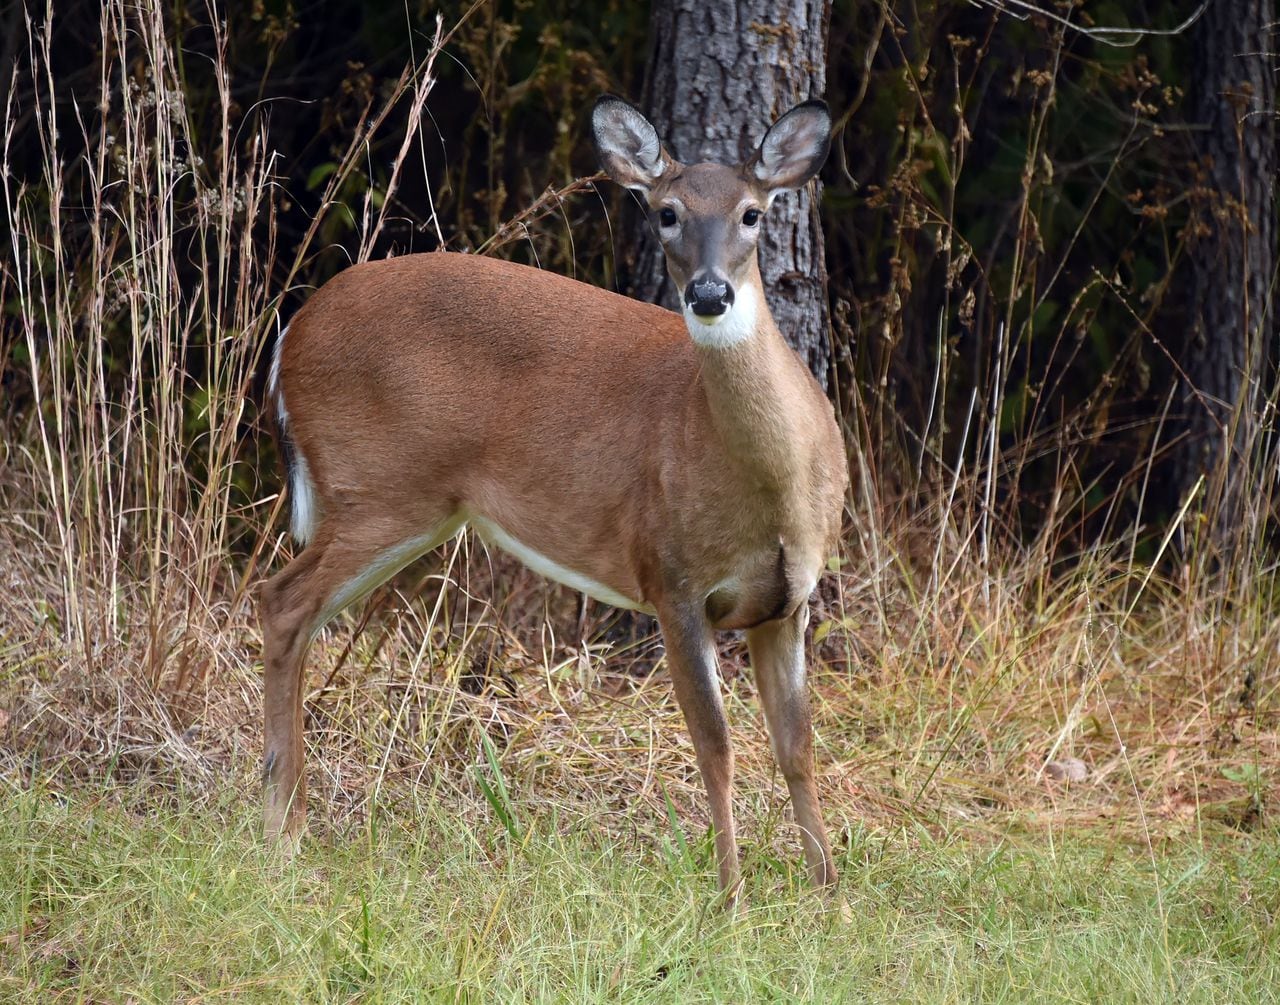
752, 382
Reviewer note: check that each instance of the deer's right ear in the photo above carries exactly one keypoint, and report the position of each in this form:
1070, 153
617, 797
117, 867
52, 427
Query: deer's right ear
627, 144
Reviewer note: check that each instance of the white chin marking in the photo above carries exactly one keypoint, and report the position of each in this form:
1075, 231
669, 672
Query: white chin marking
731, 328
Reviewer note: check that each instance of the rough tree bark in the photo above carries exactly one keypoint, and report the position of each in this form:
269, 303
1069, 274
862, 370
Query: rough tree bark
1232, 253
719, 72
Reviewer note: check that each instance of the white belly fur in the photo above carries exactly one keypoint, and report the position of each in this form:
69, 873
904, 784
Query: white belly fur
394, 559
539, 563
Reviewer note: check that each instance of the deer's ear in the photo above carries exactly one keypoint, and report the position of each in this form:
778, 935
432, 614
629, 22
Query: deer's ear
793, 150
627, 144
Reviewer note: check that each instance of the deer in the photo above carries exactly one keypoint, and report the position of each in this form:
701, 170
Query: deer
686, 465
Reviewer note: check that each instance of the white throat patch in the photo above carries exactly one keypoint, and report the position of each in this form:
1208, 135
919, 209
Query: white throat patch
731, 328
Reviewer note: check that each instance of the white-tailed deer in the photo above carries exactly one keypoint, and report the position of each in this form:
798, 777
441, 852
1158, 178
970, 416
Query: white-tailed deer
690, 467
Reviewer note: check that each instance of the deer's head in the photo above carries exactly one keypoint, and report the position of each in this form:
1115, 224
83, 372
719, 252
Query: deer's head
708, 216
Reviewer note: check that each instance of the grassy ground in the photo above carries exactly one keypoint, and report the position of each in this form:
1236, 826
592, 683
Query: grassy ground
181, 904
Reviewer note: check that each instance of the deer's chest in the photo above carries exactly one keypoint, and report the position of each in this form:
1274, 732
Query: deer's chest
763, 586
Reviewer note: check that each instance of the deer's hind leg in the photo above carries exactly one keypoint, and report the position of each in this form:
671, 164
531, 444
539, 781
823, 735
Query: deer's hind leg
339, 567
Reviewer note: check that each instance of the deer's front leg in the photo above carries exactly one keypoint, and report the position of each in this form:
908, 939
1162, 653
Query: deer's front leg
778, 658
691, 656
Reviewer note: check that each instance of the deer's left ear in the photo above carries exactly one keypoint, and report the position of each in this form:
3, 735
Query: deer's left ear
793, 150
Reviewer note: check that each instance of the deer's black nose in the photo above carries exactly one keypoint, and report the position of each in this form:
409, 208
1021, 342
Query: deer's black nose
708, 297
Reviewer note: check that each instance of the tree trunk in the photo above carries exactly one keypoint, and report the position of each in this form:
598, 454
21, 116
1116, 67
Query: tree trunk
719, 73
1232, 254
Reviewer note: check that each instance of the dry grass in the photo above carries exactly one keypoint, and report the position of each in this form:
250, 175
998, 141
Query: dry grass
943, 712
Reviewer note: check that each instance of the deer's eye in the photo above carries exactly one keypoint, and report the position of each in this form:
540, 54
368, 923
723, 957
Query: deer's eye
751, 217
666, 217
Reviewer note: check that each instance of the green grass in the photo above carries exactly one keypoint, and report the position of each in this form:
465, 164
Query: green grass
181, 904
